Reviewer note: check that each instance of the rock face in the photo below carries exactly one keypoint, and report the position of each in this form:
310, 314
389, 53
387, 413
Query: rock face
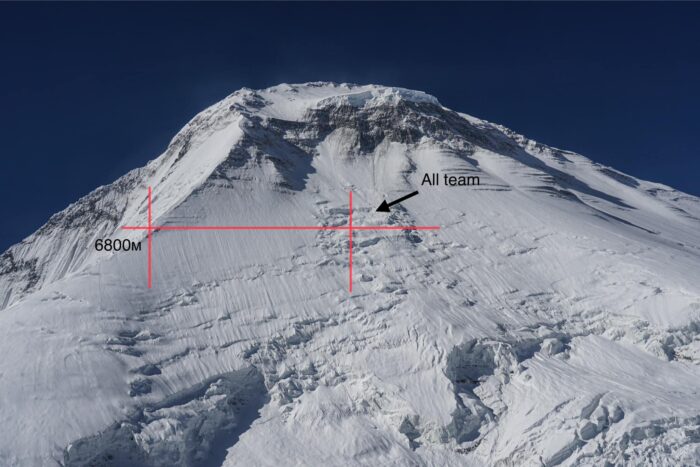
553, 319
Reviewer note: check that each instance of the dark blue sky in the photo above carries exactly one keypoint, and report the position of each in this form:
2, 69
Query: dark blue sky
90, 91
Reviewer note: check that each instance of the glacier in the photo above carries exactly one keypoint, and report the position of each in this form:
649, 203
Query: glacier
554, 319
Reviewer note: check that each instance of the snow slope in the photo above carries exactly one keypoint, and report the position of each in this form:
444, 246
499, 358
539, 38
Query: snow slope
554, 319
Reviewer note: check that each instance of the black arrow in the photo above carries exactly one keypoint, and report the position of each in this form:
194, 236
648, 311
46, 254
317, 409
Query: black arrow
384, 207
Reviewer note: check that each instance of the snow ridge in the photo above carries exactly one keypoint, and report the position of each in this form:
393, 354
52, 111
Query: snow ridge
554, 319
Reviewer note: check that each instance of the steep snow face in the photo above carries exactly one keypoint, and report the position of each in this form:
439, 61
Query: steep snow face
554, 318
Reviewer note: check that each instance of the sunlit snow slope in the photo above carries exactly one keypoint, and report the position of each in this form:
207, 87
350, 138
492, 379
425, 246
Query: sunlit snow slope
554, 319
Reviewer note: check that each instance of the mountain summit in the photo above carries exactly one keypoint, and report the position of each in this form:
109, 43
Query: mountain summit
554, 317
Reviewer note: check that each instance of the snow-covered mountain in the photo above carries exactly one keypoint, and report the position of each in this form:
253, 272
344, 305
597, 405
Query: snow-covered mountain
554, 319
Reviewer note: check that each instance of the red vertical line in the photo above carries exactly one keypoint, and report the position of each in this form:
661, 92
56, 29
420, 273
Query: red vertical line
350, 233
150, 241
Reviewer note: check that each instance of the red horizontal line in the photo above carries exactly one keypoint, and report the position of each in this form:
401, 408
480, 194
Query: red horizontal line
396, 227
233, 227
279, 227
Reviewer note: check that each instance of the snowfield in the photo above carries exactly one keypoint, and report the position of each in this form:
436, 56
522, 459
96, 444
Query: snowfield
554, 319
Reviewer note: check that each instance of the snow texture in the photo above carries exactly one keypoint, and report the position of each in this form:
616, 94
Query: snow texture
553, 320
